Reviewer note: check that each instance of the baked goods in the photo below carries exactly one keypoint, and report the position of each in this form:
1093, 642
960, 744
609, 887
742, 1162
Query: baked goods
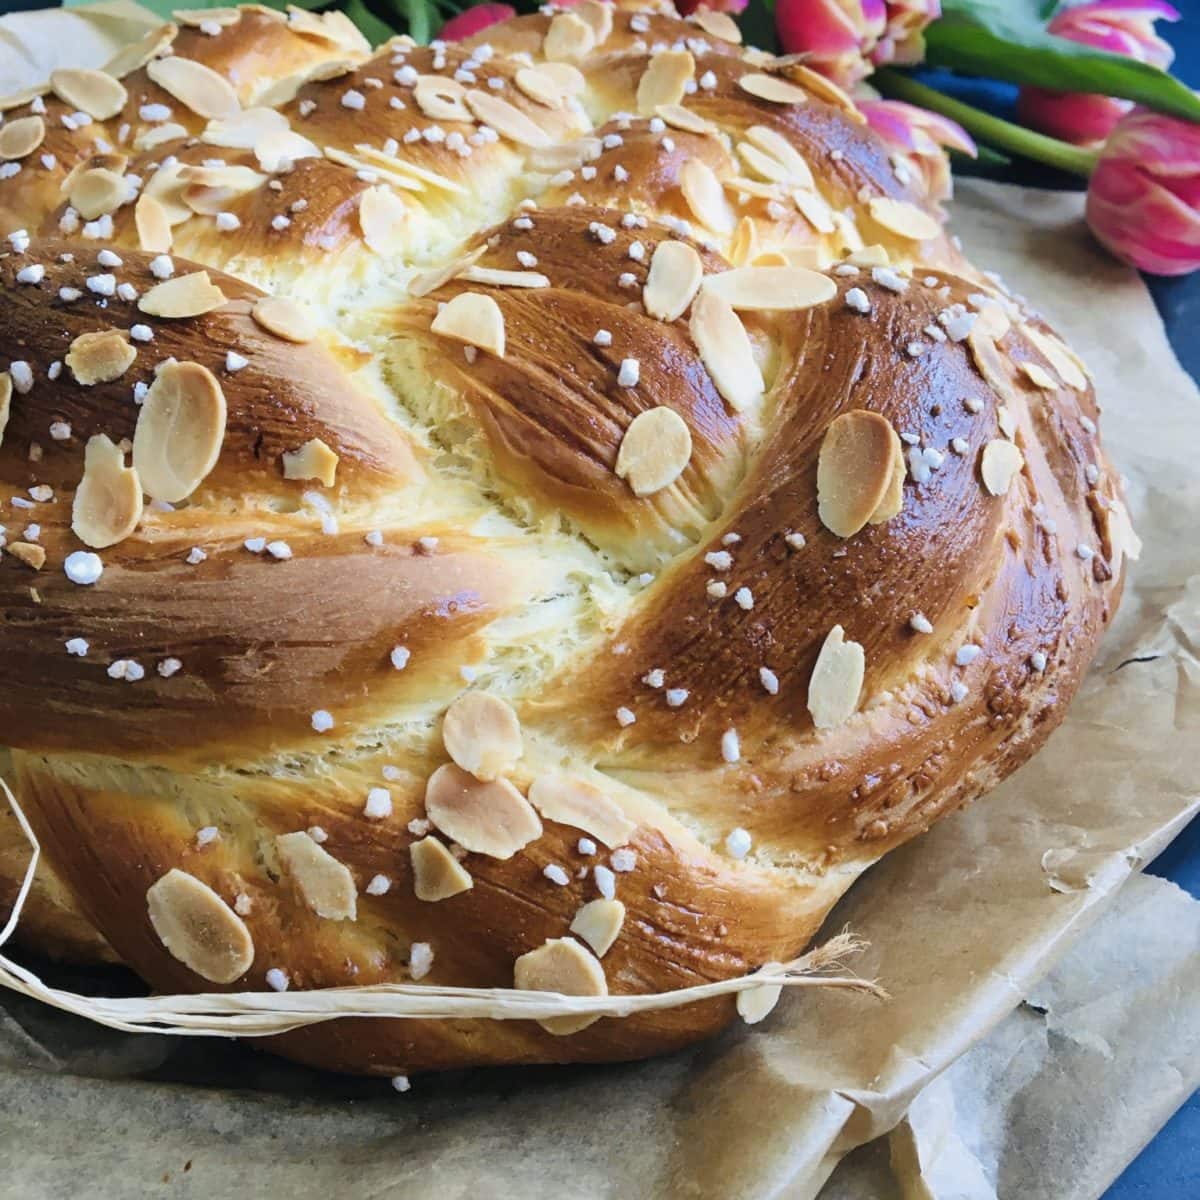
579, 543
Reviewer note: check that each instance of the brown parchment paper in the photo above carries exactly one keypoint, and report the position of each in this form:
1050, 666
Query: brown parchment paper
1033, 1053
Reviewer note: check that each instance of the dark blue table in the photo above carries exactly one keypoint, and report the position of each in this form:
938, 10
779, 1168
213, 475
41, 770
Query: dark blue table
1169, 1167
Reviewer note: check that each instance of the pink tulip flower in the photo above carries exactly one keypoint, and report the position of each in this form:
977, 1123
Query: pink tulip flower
918, 136
686, 7
1143, 199
903, 39
471, 21
1120, 26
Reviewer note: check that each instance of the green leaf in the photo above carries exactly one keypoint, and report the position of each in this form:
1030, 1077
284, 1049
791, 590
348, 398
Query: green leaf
758, 25
1007, 39
373, 27
421, 17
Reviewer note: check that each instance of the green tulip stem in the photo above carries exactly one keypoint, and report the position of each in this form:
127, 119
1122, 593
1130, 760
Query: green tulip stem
988, 129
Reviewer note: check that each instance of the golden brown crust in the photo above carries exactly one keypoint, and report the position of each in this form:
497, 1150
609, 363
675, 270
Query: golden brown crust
420, 494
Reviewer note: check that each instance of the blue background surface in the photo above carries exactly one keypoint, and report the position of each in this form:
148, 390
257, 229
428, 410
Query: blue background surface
1169, 1167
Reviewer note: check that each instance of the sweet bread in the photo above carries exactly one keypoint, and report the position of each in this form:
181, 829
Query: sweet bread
547, 511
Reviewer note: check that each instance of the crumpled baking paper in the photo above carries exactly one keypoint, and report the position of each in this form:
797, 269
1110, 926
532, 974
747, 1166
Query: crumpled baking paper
1026, 1051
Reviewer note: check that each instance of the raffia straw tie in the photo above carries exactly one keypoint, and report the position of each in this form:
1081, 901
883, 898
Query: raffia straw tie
260, 1014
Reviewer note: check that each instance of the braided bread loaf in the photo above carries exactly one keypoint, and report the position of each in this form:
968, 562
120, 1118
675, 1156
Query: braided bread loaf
582, 511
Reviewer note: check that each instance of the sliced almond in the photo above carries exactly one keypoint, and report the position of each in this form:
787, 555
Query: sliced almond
325, 884
673, 279
165, 186
568, 38
153, 225
437, 874
679, 117
769, 289
482, 734
1059, 356
744, 186
485, 818
571, 801
903, 219
1001, 461
473, 318
400, 172
440, 98
855, 467
314, 460
244, 128
194, 85
757, 1002
764, 165
94, 92
772, 88
30, 553
744, 247
500, 278
383, 218
1006, 421
718, 24
599, 17
837, 680
561, 965
21, 137
284, 319
179, 432
6, 391
539, 86
99, 357
279, 150
24, 96
137, 54
599, 924
665, 80
779, 148
184, 296
993, 321
655, 451
195, 17
211, 190
726, 351
569, 80
705, 196
1038, 375
98, 191
424, 282
507, 120
156, 135
198, 928
814, 209
989, 362
893, 495
108, 500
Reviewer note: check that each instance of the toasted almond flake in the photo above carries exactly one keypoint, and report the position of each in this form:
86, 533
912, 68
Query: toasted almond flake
756, 1003
1038, 375
212, 190
705, 196
673, 279
764, 165
989, 362
814, 209
772, 88
855, 469
383, 219
1006, 421
718, 24
726, 350
572, 801
94, 92
743, 249
568, 38
179, 432
903, 219
244, 129
665, 80
165, 186
679, 117
993, 321
599, 17
96, 192
500, 278
440, 98
568, 79
823, 88
108, 500
400, 172
196, 17
193, 84
743, 185
1000, 462
655, 451
482, 735
313, 460
183, 296
6, 391
325, 884
137, 54
779, 148
836, 681
437, 874
473, 318
24, 96
561, 965
599, 924
767, 289
278, 150
424, 282
540, 86
21, 137
507, 120
486, 818
30, 553
1059, 357
893, 495
99, 357
198, 928
153, 225
285, 319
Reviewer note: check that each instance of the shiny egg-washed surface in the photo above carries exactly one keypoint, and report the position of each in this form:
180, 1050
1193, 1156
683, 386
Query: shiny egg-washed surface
296, 643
